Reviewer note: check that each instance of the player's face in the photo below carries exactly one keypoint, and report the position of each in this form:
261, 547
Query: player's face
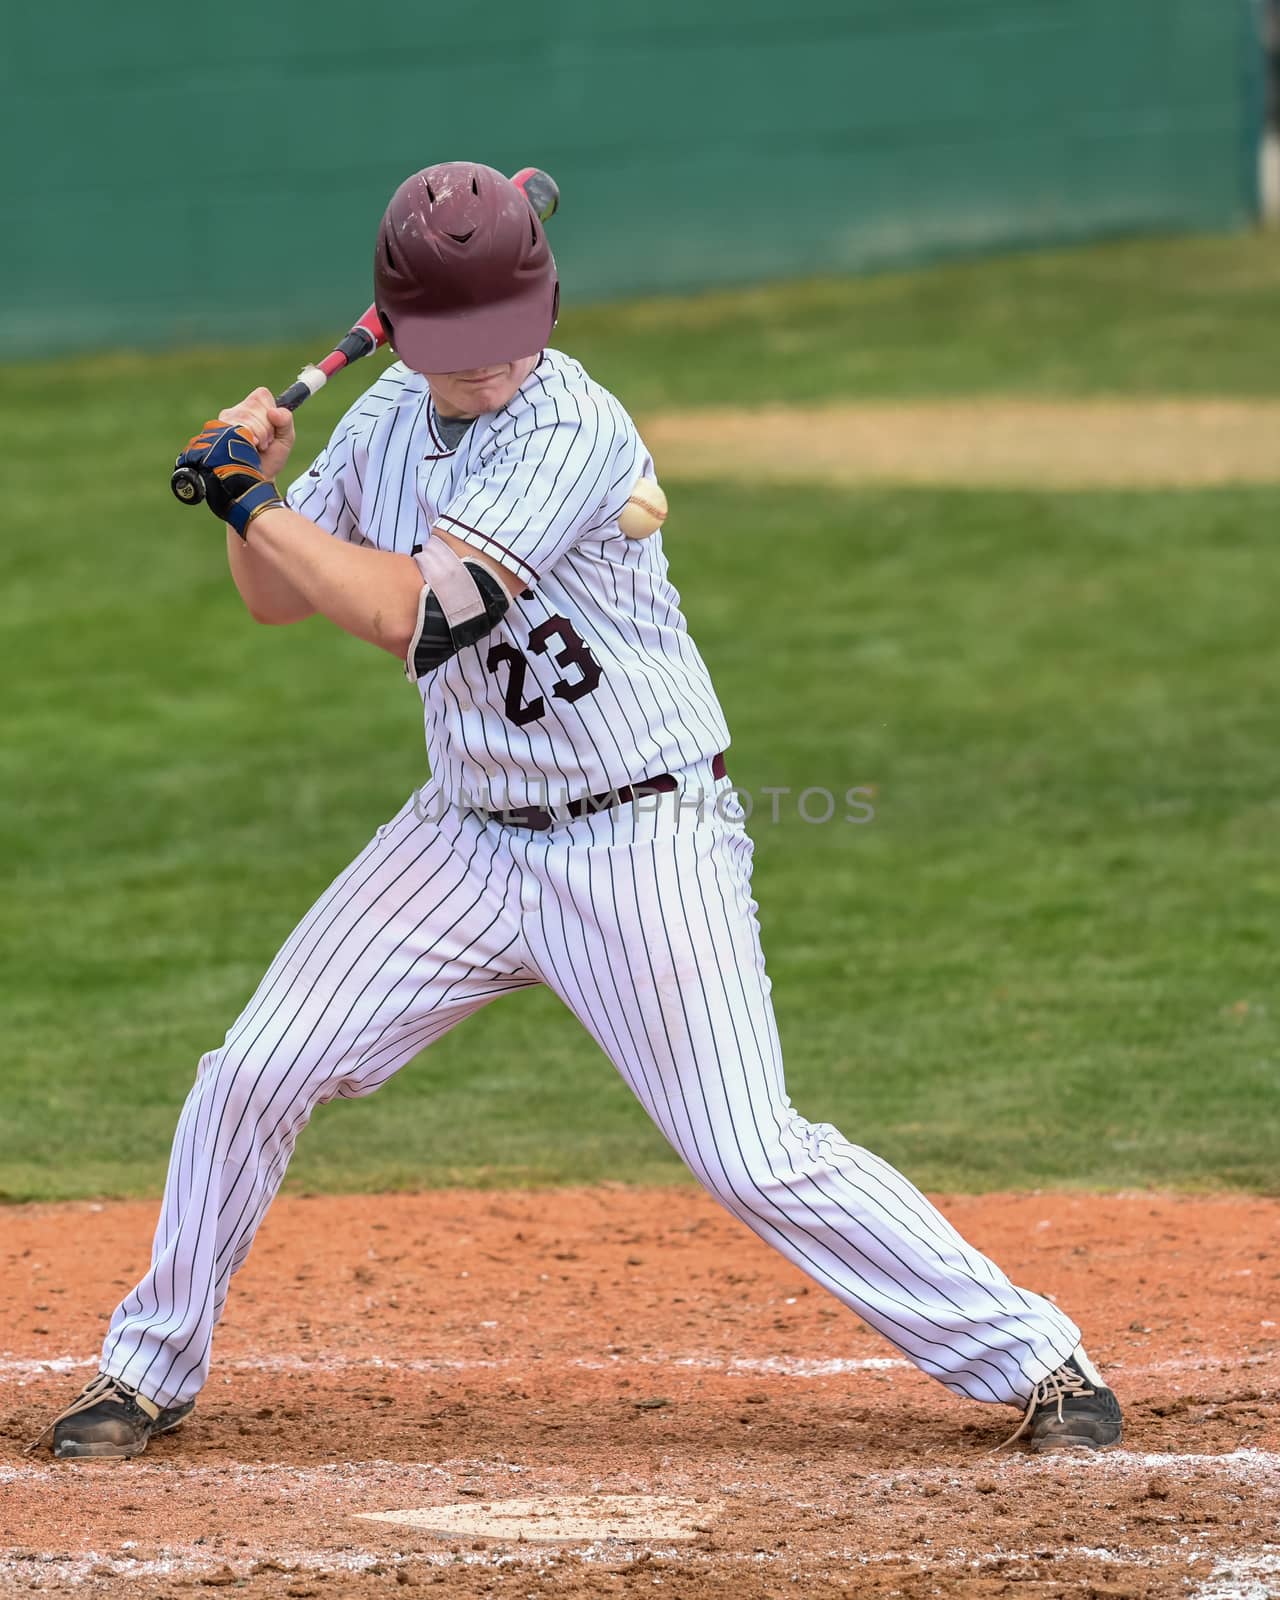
471, 394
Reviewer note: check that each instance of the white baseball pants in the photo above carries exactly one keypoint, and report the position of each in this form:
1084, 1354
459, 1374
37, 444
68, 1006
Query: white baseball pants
641, 920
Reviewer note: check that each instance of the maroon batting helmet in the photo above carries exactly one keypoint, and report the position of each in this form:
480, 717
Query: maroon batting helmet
463, 275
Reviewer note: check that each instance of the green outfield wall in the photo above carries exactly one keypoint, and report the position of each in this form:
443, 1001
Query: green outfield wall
171, 176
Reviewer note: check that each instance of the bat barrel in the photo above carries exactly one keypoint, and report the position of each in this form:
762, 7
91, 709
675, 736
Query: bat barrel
541, 191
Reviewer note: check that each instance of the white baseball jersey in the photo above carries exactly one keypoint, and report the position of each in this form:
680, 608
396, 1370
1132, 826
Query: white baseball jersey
591, 681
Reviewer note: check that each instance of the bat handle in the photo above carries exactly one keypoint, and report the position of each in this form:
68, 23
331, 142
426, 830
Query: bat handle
292, 397
186, 484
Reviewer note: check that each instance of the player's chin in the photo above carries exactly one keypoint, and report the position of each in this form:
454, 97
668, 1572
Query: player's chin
490, 393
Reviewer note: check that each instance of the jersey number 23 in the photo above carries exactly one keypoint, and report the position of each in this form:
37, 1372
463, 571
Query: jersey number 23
574, 653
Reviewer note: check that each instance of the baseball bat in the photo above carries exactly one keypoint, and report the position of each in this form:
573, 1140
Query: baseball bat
543, 194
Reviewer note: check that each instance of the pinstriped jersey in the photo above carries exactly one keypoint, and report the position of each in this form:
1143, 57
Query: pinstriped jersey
591, 680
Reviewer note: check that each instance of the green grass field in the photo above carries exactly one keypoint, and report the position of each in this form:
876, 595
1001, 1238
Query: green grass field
1050, 960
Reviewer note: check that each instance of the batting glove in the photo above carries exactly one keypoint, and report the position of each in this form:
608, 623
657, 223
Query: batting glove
230, 468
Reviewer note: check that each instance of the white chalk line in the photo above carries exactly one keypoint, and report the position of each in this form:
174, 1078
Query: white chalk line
1233, 1577
171, 1564
1260, 1469
305, 1480
384, 1475
1242, 1577
20, 1368
762, 1366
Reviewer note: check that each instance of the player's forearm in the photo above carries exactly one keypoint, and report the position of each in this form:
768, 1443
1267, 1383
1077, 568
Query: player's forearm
372, 594
268, 595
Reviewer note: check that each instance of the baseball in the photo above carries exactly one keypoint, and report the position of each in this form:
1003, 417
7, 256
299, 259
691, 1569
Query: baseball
645, 508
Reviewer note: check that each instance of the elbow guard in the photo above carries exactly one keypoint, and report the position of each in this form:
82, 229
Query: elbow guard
461, 601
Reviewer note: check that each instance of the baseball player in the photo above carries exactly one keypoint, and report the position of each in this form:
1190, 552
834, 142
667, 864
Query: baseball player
578, 830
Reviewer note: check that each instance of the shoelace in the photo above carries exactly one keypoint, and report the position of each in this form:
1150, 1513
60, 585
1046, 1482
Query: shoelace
103, 1387
1064, 1384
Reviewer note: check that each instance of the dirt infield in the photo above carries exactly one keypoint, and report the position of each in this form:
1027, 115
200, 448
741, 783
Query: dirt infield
979, 443
618, 1354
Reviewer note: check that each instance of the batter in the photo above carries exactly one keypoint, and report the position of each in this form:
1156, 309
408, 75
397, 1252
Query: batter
579, 830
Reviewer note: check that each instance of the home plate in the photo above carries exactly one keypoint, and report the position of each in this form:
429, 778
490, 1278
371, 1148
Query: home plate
565, 1517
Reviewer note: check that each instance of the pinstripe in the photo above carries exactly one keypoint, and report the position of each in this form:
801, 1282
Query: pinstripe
246, 1050
771, 1096
340, 894
439, 1001
613, 892
405, 1045
644, 1068
526, 486
891, 1285
931, 1231
639, 918
595, 1009
178, 1317
753, 1205
583, 454
708, 714
696, 1152
624, 1055
355, 962
179, 1326
901, 1191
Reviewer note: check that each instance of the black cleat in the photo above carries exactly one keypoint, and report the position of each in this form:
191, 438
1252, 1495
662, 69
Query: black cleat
108, 1418
1071, 1409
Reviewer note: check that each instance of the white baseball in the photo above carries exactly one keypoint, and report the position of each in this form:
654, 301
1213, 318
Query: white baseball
645, 508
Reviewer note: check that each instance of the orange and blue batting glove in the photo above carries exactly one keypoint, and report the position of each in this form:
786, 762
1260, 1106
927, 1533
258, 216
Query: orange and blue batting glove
230, 468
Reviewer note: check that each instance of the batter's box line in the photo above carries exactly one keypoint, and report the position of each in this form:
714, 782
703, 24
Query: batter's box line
1260, 1468
26, 1367
746, 1366
182, 1563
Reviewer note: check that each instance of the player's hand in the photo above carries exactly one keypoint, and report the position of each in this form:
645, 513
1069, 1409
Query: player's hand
235, 486
270, 425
